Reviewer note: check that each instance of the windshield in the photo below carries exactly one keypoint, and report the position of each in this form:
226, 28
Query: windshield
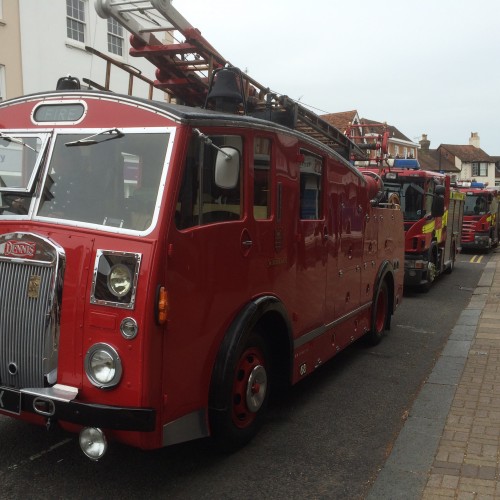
112, 180
475, 205
18, 156
412, 197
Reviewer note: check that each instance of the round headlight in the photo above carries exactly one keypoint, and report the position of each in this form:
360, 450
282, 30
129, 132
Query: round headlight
119, 280
93, 442
103, 366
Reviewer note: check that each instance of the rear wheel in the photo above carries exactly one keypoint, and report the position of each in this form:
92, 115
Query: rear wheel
246, 398
380, 315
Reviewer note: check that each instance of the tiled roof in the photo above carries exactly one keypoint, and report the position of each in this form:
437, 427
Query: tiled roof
393, 131
340, 120
429, 159
466, 153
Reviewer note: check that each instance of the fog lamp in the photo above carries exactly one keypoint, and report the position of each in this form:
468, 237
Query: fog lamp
93, 442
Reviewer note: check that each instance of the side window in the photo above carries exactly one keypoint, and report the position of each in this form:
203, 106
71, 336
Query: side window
262, 178
311, 175
211, 189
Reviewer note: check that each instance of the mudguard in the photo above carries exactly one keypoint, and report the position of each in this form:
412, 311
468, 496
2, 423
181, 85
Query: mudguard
241, 327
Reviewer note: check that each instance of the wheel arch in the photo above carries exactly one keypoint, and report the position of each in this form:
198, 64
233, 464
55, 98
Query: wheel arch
385, 274
269, 316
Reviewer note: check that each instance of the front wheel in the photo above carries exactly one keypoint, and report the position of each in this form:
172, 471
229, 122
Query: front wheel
380, 315
246, 398
431, 274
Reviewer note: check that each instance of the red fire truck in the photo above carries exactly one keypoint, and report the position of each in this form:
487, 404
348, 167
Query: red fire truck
433, 213
481, 216
164, 267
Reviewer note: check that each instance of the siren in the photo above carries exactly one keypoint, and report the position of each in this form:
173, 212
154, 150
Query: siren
409, 163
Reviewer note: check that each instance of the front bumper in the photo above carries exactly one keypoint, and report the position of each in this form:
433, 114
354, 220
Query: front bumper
480, 241
415, 271
58, 403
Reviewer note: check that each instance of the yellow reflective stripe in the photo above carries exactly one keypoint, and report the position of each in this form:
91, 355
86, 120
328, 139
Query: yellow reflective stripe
429, 227
445, 219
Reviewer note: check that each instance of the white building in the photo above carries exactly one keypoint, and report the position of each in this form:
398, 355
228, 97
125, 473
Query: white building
43, 40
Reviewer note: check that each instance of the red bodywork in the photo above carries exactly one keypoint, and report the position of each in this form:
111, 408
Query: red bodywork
432, 240
313, 280
480, 229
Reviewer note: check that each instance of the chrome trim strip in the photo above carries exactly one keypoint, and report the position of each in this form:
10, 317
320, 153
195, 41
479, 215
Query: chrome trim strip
130, 305
56, 102
31, 281
317, 332
186, 428
58, 392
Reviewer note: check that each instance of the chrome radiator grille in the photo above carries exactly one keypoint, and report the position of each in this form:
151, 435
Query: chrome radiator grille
29, 312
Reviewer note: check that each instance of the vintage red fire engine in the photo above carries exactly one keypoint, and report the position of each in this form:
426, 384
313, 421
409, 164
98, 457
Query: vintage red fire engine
163, 268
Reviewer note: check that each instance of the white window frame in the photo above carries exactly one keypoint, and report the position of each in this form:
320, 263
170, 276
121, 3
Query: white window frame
116, 40
478, 168
82, 20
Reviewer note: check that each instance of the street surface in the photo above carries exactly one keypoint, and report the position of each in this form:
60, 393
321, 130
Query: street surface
327, 438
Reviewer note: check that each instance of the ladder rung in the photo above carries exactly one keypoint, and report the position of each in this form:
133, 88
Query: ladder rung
137, 9
156, 30
127, 2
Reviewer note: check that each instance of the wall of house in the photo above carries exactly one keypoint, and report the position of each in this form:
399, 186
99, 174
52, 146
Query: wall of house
49, 54
466, 173
402, 149
11, 84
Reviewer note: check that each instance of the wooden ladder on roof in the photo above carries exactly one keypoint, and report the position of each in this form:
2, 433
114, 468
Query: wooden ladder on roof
185, 61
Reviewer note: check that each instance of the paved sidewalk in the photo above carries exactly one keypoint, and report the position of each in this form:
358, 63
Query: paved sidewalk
449, 446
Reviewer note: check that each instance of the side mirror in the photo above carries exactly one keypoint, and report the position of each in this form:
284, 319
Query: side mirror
440, 190
227, 168
437, 209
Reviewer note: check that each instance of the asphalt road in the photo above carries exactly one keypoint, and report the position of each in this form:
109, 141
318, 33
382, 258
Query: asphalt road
327, 438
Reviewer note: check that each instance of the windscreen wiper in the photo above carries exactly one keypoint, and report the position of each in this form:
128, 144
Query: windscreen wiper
114, 133
15, 140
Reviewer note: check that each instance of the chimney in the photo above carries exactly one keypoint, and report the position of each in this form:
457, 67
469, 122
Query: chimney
474, 140
424, 143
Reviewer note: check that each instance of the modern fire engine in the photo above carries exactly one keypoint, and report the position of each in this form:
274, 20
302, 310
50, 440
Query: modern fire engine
433, 212
165, 267
480, 229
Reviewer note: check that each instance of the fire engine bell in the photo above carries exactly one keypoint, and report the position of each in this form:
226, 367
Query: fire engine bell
224, 93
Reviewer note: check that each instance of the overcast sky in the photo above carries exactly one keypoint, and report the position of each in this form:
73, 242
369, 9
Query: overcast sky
427, 67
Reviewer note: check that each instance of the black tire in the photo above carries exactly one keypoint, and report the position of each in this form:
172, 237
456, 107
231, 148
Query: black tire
431, 273
247, 396
380, 315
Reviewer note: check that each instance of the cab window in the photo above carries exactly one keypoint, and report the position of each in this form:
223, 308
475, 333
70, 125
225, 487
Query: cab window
262, 178
208, 196
311, 174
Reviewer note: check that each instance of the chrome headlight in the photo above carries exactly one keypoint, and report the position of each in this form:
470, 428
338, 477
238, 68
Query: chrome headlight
103, 366
119, 280
115, 278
